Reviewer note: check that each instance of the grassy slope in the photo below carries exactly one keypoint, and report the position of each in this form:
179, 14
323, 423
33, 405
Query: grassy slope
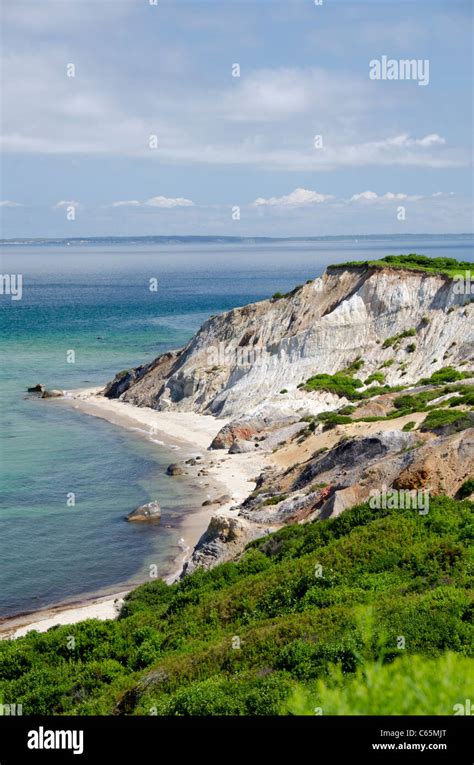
384, 574
413, 262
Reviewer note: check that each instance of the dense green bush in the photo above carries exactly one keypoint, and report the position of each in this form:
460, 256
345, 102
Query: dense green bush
442, 420
377, 377
411, 685
444, 375
340, 384
346, 385
449, 266
298, 604
331, 419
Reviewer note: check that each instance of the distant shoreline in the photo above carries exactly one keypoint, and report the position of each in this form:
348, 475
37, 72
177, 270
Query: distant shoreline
199, 239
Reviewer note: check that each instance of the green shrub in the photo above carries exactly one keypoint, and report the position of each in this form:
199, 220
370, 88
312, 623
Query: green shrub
349, 409
377, 377
354, 366
442, 420
444, 375
299, 600
411, 685
340, 384
219, 696
416, 402
274, 500
413, 262
395, 339
332, 419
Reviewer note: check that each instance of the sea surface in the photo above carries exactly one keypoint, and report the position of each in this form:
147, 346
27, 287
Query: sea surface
94, 298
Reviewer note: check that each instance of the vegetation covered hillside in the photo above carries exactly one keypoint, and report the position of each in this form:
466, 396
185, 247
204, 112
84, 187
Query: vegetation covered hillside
370, 612
413, 262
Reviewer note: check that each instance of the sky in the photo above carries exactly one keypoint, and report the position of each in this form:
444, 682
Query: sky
235, 117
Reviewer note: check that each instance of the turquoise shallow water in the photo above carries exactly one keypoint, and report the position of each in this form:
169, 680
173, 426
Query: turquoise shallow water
95, 300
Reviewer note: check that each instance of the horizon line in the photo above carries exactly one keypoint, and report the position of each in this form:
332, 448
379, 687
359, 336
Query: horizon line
225, 238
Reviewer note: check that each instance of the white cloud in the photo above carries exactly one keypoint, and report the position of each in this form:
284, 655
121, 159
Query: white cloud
126, 203
165, 202
305, 198
9, 203
364, 195
267, 119
432, 139
268, 95
389, 196
66, 203
404, 141
297, 198
442, 213
371, 196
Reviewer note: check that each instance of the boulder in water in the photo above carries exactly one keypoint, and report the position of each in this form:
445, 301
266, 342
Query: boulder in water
175, 469
52, 394
149, 512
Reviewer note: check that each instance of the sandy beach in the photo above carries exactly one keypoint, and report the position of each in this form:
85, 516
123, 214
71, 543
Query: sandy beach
188, 432
106, 607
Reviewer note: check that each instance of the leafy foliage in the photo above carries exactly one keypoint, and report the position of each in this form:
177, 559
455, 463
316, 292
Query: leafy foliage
395, 339
444, 375
340, 384
377, 377
408, 686
413, 262
318, 606
444, 421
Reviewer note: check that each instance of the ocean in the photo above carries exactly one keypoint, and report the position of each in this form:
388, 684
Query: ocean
94, 298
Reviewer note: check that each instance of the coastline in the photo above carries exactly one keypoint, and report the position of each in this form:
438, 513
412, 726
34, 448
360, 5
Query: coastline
225, 474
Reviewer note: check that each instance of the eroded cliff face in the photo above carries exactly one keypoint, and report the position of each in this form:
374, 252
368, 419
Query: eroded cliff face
249, 364
239, 362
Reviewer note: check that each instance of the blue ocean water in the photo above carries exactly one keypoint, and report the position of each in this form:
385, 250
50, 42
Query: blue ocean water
94, 298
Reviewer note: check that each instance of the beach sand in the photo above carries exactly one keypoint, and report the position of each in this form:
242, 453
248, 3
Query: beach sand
97, 608
231, 474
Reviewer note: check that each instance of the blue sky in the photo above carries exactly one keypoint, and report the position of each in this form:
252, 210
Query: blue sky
82, 142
